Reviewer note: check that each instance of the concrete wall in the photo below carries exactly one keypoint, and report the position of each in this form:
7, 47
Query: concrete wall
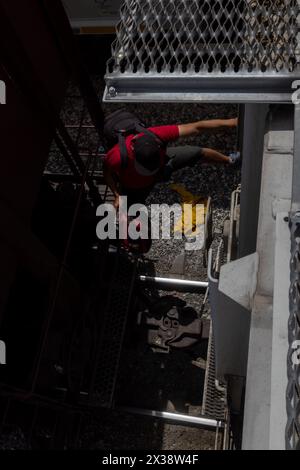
265, 416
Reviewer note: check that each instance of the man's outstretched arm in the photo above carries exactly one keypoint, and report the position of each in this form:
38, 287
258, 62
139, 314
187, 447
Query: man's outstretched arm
194, 128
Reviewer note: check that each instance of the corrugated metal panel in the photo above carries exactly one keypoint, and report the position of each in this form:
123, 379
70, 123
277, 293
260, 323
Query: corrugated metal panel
93, 13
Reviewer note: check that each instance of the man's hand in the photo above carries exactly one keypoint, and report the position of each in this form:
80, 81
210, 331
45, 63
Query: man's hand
117, 201
112, 184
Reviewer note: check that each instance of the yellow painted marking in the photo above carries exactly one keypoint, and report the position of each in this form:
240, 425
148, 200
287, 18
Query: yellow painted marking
193, 212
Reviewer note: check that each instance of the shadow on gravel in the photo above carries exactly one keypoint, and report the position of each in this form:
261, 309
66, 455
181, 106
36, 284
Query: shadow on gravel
157, 380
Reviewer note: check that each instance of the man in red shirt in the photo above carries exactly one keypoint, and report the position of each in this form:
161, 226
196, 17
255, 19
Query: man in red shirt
146, 164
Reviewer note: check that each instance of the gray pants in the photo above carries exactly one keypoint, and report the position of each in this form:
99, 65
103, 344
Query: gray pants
181, 157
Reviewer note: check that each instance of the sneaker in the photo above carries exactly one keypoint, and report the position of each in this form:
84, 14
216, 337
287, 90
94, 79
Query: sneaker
235, 157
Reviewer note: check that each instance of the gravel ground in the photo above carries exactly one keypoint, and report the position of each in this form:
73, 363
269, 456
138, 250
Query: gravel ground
150, 380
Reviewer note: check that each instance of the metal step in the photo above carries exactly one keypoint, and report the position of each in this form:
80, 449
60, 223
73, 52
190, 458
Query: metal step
113, 329
214, 397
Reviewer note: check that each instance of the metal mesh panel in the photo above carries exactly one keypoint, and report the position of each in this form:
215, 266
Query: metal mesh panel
210, 35
293, 389
195, 38
114, 323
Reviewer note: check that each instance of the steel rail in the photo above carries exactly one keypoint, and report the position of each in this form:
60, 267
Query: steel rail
174, 283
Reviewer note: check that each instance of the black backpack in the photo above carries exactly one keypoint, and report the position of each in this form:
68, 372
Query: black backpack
121, 123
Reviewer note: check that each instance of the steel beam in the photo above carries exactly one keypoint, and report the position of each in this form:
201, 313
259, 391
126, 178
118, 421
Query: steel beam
167, 283
229, 88
204, 51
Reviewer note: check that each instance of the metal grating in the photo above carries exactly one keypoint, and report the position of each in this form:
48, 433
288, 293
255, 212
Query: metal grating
214, 400
196, 48
293, 388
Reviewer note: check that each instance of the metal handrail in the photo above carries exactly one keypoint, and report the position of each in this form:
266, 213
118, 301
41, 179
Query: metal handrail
292, 436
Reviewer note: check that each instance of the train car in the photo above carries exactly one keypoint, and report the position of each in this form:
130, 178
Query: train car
89, 326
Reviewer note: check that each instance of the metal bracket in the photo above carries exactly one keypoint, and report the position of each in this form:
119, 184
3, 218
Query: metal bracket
293, 366
231, 325
238, 280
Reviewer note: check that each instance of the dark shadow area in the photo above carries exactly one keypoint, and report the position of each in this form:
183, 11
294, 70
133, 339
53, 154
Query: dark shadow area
160, 380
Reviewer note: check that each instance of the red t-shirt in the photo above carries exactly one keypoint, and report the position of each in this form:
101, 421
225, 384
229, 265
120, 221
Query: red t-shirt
129, 177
